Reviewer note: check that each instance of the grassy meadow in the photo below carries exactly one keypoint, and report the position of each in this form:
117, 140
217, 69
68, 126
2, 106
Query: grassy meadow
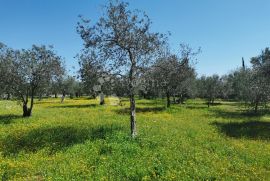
81, 140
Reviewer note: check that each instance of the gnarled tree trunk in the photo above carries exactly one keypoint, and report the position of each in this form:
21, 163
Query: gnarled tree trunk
27, 112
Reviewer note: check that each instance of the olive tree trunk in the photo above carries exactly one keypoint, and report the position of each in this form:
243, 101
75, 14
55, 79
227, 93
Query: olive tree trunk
133, 116
168, 100
27, 112
132, 100
102, 100
8, 96
256, 106
63, 96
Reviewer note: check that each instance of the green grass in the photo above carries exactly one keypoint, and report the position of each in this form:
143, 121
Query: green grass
80, 140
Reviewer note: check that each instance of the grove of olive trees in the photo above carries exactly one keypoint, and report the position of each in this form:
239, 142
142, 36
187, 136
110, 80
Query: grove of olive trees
123, 57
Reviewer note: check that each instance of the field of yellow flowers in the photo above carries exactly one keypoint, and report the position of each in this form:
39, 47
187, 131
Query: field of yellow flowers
81, 140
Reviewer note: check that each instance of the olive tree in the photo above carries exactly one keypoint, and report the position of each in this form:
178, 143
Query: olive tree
6, 56
95, 79
260, 80
123, 44
209, 87
89, 71
29, 70
252, 85
261, 63
175, 74
166, 72
240, 82
259, 90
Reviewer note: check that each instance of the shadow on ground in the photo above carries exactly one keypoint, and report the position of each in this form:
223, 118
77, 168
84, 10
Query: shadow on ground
196, 107
141, 110
202, 105
237, 114
9, 118
47, 102
150, 103
213, 104
54, 139
75, 106
251, 129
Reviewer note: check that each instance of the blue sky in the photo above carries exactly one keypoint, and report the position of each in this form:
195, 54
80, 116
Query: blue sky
226, 30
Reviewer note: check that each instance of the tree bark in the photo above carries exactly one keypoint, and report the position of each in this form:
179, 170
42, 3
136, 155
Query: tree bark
27, 112
133, 116
181, 99
40, 97
256, 107
174, 99
71, 96
212, 101
63, 96
133, 128
168, 100
8, 96
102, 100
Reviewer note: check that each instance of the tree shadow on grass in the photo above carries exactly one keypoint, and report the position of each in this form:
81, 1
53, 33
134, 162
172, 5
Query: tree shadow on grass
213, 104
75, 106
237, 114
149, 103
196, 107
53, 139
251, 129
9, 118
46, 102
141, 110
